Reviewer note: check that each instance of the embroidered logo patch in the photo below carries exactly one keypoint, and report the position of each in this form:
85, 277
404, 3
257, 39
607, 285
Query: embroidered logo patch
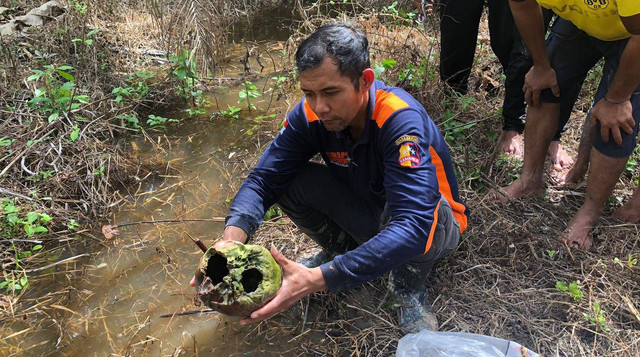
340, 158
404, 138
409, 155
597, 4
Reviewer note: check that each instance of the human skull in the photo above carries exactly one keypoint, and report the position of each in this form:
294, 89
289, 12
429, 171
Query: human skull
237, 280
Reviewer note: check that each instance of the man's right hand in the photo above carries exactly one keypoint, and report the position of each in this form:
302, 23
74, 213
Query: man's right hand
231, 234
537, 79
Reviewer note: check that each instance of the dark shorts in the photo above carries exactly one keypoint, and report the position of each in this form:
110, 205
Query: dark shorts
572, 54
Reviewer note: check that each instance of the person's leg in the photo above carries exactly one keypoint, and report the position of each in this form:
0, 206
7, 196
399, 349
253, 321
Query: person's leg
408, 282
581, 165
603, 175
607, 160
458, 35
630, 212
501, 30
328, 211
579, 168
513, 107
542, 123
571, 55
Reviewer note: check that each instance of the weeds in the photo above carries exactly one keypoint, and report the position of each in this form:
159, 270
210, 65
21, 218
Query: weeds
574, 290
158, 121
629, 263
57, 96
186, 76
247, 94
596, 318
231, 112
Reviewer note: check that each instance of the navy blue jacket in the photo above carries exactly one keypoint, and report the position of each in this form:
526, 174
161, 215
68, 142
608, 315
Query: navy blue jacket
401, 160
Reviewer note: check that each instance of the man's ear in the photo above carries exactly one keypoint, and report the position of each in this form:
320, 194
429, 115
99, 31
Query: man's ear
367, 78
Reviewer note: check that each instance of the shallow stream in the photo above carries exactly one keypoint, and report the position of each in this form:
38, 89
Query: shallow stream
114, 298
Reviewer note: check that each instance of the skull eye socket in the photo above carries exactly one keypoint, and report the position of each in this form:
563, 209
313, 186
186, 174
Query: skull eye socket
250, 279
217, 269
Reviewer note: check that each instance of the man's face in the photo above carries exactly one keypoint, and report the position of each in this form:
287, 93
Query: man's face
333, 96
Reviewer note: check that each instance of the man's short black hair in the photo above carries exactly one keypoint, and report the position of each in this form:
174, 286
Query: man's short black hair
345, 45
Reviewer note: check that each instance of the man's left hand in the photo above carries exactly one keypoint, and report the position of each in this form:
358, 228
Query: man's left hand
613, 118
298, 281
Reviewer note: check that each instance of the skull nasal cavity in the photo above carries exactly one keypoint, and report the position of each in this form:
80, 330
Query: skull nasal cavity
217, 268
251, 278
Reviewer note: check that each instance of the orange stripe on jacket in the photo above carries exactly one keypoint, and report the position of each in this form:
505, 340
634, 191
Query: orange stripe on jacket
308, 112
445, 190
386, 104
433, 228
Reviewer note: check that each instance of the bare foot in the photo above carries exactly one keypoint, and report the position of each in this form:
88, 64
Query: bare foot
511, 144
578, 232
629, 213
560, 159
570, 177
517, 190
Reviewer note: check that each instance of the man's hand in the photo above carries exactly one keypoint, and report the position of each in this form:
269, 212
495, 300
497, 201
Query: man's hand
612, 118
537, 79
298, 281
231, 234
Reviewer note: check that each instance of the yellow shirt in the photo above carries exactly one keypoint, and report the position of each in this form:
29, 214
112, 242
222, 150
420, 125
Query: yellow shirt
598, 18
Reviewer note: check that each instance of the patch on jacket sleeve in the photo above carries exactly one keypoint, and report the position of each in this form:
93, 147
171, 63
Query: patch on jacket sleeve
404, 138
409, 155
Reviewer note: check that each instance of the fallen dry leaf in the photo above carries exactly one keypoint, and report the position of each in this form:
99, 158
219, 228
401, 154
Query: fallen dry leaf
110, 231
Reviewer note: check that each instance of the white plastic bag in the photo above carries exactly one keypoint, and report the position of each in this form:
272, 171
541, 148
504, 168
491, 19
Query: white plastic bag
458, 344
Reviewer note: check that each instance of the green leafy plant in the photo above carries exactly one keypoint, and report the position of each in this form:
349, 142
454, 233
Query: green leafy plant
455, 132
231, 112
273, 212
129, 120
383, 66
573, 289
597, 319
73, 135
156, 120
72, 225
394, 9
27, 253
99, 171
185, 74
12, 283
279, 81
197, 111
137, 88
87, 40
34, 223
551, 253
248, 93
43, 175
4, 141
80, 6
630, 263
57, 95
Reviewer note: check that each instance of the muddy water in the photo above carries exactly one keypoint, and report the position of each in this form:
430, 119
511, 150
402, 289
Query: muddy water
113, 301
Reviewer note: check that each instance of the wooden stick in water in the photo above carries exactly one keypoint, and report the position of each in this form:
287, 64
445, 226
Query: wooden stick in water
199, 243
